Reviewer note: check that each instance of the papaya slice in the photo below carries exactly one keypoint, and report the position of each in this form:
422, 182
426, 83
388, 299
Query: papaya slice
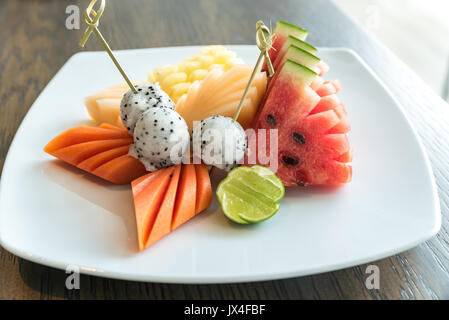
76, 153
147, 202
111, 127
203, 188
99, 159
83, 134
162, 224
167, 198
121, 170
185, 197
101, 151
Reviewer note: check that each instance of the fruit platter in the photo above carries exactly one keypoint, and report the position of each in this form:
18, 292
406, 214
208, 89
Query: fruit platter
216, 163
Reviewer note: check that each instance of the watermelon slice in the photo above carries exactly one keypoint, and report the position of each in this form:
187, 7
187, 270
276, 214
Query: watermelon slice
167, 198
313, 146
101, 151
280, 35
285, 35
299, 44
297, 55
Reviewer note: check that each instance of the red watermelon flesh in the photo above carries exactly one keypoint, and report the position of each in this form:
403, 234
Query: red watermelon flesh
313, 146
323, 67
297, 55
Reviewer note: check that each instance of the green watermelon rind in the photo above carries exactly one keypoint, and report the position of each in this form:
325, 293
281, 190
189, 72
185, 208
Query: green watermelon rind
302, 57
298, 71
292, 40
285, 28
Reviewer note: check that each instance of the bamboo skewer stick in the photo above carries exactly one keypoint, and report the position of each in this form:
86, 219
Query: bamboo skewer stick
92, 26
264, 43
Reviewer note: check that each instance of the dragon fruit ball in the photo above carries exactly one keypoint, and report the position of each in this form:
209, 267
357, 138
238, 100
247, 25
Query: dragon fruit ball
221, 140
161, 138
146, 97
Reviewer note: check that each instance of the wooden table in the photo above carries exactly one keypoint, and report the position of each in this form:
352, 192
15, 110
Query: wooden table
34, 44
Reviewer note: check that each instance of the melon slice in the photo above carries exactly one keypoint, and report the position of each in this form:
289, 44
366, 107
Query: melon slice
167, 198
104, 106
313, 146
101, 151
220, 93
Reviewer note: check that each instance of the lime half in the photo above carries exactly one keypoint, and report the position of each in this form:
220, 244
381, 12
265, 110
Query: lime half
250, 194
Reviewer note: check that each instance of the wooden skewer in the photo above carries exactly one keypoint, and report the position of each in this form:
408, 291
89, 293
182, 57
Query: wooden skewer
92, 26
264, 43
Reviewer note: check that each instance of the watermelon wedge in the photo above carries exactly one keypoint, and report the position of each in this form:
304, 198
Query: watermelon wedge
281, 32
297, 55
313, 145
291, 41
101, 151
167, 198
286, 35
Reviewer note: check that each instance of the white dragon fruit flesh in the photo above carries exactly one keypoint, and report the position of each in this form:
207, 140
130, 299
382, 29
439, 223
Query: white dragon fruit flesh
221, 140
161, 138
146, 97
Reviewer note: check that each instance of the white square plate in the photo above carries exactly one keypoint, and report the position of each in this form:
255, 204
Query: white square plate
54, 214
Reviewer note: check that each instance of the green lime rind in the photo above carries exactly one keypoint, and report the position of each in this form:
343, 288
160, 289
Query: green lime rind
250, 194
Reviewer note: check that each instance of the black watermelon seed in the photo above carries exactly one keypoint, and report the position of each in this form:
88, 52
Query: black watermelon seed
290, 161
271, 119
298, 138
302, 184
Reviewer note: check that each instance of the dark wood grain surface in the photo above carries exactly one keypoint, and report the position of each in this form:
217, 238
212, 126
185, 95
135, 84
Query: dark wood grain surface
34, 44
